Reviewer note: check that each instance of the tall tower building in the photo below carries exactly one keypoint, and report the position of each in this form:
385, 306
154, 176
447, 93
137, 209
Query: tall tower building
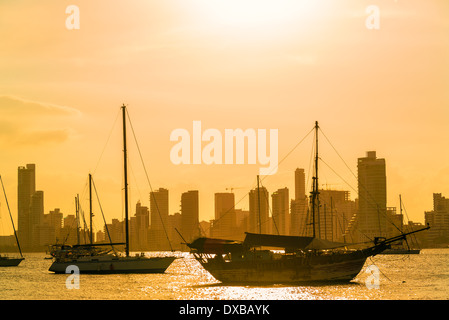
259, 221
25, 189
159, 208
336, 212
190, 215
372, 189
298, 206
36, 215
142, 219
159, 219
438, 219
281, 211
225, 220
300, 184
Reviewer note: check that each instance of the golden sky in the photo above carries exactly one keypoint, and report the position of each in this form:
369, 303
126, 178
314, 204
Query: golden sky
230, 64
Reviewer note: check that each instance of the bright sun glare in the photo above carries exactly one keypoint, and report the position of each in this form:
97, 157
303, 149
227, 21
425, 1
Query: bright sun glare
257, 13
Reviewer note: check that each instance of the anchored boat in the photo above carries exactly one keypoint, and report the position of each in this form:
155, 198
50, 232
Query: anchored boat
295, 260
92, 258
4, 260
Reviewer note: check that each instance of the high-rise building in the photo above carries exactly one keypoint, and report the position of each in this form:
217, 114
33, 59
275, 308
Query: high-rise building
159, 208
36, 216
174, 225
25, 189
300, 184
139, 238
372, 189
259, 221
298, 206
336, 211
281, 211
159, 219
438, 220
190, 229
225, 222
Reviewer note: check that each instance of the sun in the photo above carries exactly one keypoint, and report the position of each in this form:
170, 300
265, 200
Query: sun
256, 13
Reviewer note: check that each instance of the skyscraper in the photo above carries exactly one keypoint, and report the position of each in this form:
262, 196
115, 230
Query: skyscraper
336, 211
25, 189
36, 215
438, 219
142, 218
298, 206
281, 211
190, 215
259, 221
159, 208
300, 184
225, 221
372, 189
159, 219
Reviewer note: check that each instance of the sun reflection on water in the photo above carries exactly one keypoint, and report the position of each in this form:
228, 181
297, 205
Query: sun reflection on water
423, 276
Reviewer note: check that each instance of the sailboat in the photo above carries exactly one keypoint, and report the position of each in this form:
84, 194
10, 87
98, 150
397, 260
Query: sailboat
296, 260
402, 248
93, 259
4, 260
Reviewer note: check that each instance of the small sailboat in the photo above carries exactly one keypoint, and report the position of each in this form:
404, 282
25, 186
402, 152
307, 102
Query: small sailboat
401, 247
296, 259
93, 258
4, 260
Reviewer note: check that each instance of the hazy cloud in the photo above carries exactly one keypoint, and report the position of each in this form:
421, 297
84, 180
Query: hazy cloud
11, 105
22, 121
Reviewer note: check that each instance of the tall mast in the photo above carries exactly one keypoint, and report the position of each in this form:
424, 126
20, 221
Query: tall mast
90, 209
12, 220
258, 204
77, 219
125, 171
315, 192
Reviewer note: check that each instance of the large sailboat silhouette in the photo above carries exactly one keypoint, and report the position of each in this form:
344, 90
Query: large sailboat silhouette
90, 258
297, 260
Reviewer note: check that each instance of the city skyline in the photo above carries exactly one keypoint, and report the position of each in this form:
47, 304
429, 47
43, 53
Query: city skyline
338, 218
298, 180
281, 68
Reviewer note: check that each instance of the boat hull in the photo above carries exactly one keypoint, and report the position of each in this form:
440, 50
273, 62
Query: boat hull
10, 262
402, 251
289, 269
114, 265
275, 272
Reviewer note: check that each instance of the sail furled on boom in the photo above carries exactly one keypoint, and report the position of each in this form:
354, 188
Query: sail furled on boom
288, 242
216, 246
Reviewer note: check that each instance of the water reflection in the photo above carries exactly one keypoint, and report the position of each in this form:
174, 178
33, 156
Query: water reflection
423, 276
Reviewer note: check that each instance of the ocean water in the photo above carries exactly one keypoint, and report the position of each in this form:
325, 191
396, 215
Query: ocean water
401, 277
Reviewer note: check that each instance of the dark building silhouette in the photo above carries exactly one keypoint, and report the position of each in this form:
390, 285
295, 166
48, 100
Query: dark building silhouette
159, 219
438, 220
25, 189
259, 220
372, 189
190, 228
224, 224
281, 212
30, 208
298, 206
